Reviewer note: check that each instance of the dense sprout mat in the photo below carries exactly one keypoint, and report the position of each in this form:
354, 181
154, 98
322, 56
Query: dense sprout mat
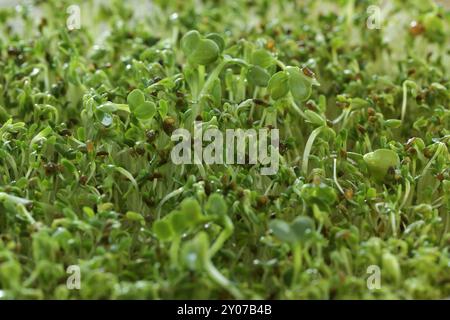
104, 106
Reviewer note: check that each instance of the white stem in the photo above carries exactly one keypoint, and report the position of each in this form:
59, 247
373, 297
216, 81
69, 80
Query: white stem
335, 178
308, 147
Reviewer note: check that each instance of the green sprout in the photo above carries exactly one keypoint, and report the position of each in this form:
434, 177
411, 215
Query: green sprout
89, 119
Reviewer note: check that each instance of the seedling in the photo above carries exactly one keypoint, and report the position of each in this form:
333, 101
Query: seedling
296, 234
88, 123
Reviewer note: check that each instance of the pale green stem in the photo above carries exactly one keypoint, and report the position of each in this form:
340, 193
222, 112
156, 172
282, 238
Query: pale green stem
308, 147
438, 151
221, 280
407, 191
335, 177
297, 108
297, 256
223, 236
174, 248
405, 97
167, 197
216, 72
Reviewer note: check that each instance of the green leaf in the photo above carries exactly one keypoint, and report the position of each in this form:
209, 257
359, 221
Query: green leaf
145, 110
69, 166
434, 26
216, 205
191, 209
180, 222
318, 194
200, 50
258, 76
358, 103
302, 227
190, 41
299, 85
393, 123
194, 252
380, 161
134, 216
262, 58
135, 98
163, 230
42, 135
278, 85
391, 267
204, 53
163, 108
217, 38
133, 133
282, 231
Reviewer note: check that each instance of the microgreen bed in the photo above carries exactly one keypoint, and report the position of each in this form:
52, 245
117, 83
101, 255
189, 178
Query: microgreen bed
87, 180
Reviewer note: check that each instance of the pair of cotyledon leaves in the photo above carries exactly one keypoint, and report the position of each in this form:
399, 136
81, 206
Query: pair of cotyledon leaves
136, 104
293, 80
297, 231
142, 109
203, 50
319, 194
189, 215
